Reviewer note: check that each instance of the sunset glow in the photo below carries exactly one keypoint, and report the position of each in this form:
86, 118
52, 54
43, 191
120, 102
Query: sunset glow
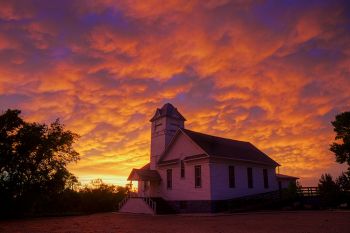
274, 73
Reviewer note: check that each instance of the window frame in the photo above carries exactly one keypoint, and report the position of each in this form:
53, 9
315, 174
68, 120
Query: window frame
182, 169
169, 179
250, 177
266, 178
197, 176
231, 176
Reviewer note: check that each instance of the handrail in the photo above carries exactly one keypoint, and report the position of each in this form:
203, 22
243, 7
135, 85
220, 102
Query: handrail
122, 202
148, 201
128, 196
151, 204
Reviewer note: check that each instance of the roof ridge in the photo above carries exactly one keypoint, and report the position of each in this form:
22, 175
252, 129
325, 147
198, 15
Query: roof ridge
191, 131
226, 147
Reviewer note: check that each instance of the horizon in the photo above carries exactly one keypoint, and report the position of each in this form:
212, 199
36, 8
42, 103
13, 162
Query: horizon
271, 73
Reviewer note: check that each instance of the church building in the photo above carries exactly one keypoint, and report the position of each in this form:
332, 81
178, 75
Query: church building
195, 172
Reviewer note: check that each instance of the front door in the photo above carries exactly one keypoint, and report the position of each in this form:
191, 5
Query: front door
145, 189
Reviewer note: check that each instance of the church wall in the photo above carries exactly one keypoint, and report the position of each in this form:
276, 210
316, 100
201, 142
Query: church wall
220, 189
158, 140
184, 188
181, 148
286, 182
162, 132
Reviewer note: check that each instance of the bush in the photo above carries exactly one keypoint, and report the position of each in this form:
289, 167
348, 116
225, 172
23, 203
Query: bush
101, 197
89, 199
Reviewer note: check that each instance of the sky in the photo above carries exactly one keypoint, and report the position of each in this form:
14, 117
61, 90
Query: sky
274, 73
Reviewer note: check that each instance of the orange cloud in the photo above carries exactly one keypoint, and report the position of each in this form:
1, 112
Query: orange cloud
273, 74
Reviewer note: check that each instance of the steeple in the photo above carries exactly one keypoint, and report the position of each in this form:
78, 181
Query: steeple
167, 110
165, 123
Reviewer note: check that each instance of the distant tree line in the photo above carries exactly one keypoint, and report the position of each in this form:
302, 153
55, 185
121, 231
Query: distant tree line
337, 192
34, 179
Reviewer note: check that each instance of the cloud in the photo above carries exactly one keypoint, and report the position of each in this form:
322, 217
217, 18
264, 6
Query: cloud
272, 73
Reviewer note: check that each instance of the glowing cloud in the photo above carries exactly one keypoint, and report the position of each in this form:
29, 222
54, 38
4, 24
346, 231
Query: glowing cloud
271, 72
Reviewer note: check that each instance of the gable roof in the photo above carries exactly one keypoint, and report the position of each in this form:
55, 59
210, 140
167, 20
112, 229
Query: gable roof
144, 173
228, 148
167, 110
286, 177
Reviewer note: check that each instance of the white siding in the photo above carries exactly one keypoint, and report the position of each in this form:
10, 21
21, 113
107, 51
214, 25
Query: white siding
286, 182
184, 188
182, 147
158, 140
162, 132
220, 189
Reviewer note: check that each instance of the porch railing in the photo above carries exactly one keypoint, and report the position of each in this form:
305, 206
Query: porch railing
309, 191
152, 204
128, 196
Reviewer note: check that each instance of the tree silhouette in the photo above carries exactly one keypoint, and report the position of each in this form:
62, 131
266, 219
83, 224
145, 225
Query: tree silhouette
328, 189
343, 181
33, 160
341, 149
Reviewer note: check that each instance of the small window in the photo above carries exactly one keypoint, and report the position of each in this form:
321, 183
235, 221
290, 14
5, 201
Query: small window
182, 169
197, 176
266, 179
231, 176
250, 177
169, 179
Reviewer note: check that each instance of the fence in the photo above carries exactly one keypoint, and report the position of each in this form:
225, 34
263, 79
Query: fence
308, 191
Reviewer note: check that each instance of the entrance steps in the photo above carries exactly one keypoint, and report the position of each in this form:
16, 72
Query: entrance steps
136, 205
145, 205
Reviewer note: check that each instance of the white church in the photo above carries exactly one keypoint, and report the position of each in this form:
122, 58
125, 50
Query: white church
195, 172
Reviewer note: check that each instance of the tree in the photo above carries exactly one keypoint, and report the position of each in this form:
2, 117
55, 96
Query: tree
33, 160
328, 189
343, 181
341, 149
99, 196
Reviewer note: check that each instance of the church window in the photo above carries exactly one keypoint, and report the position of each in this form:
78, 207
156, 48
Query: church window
250, 177
266, 178
231, 176
169, 179
197, 176
182, 169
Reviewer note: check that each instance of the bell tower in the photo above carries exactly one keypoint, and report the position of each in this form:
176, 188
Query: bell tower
165, 123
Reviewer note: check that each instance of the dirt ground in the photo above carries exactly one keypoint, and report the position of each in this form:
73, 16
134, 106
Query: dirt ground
306, 222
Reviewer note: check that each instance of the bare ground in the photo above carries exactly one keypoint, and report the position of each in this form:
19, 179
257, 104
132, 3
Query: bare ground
313, 221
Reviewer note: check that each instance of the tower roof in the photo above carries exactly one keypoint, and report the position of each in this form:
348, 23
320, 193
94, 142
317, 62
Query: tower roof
167, 110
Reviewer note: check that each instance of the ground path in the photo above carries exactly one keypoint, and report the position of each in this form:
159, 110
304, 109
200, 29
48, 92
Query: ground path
303, 221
